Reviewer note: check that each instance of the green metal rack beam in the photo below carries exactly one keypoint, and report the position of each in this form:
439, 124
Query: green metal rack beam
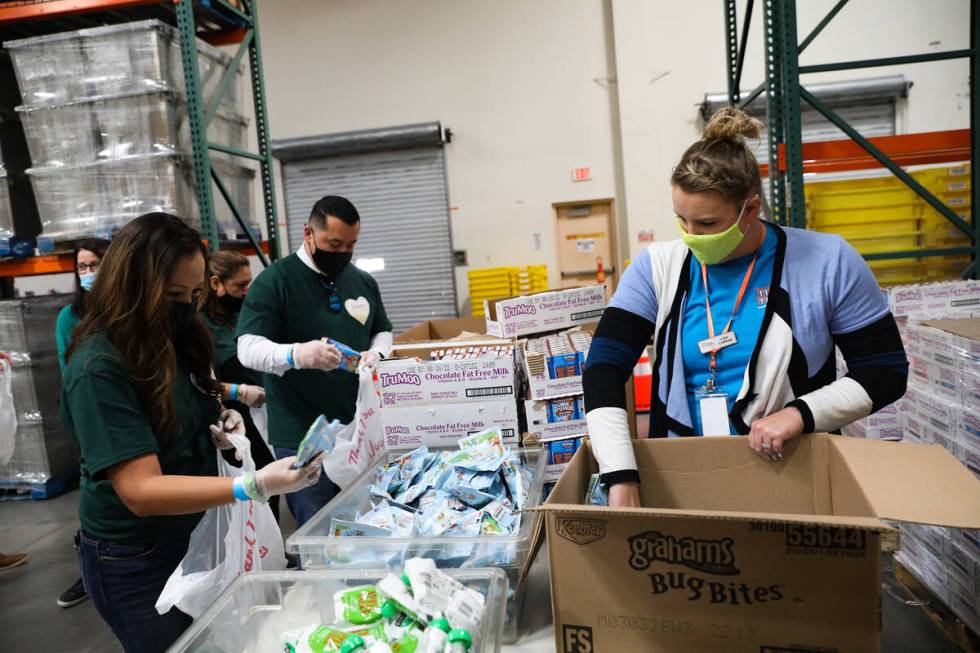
200, 116
784, 92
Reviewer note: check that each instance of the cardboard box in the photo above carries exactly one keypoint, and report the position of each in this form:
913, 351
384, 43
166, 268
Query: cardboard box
432, 330
410, 383
443, 425
537, 373
551, 310
740, 554
541, 426
965, 602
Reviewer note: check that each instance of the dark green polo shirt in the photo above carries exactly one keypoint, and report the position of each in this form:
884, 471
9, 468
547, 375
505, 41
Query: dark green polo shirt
289, 303
226, 364
102, 409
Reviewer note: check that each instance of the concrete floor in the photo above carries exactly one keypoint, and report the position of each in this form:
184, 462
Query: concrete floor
30, 620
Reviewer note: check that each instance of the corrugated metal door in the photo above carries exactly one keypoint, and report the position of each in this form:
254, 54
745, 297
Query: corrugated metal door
870, 120
402, 197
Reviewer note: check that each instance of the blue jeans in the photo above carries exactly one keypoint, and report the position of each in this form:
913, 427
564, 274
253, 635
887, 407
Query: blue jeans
308, 501
124, 581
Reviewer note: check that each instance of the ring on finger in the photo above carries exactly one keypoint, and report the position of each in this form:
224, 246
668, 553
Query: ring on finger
766, 445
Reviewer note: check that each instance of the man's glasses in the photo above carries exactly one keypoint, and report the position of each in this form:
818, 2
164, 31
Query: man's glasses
87, 267
334, 299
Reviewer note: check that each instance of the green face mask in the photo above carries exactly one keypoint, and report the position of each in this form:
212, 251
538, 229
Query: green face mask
715, 248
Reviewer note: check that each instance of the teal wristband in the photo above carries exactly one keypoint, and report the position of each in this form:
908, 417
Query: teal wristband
234, 391
289, 357
251, 486
238, 488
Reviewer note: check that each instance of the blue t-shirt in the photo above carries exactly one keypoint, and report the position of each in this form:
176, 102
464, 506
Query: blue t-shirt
724, 281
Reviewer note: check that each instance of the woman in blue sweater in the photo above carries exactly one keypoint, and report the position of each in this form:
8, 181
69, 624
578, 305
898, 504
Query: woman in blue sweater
745, 317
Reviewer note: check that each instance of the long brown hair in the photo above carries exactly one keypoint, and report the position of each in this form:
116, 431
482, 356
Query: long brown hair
223, 265
129, 304
721, 161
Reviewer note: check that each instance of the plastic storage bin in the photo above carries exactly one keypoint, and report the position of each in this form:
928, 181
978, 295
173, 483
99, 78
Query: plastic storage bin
317, 550
118, 126
6, 214
99, 61
98, 198
253, 613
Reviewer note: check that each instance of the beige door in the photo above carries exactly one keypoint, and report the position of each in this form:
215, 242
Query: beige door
585, 235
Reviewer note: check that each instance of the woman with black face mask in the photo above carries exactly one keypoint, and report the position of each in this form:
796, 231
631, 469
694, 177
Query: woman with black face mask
139, 396
229, 276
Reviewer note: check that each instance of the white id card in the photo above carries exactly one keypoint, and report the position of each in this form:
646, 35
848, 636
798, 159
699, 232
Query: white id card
713, 413
709, 345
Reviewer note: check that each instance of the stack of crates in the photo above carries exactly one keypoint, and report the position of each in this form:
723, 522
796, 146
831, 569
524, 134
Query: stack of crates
106, 125
528, 279
882, 214
493, 283
951, 185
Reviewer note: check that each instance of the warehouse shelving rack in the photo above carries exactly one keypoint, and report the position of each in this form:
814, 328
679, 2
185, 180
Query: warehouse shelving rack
219, 22
789, 158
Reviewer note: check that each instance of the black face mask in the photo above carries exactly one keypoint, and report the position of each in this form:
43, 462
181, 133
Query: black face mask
181, 318
231, 304
331, 263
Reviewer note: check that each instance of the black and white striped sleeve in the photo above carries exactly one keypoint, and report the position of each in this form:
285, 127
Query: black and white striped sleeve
877, 374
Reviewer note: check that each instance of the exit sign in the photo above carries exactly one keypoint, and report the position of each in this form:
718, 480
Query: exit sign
582, 174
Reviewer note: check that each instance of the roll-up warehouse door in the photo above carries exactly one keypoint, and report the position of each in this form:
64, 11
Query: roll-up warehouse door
867, 104
402, 197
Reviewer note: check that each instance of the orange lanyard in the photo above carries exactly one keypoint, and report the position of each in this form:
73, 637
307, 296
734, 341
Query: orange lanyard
738, 299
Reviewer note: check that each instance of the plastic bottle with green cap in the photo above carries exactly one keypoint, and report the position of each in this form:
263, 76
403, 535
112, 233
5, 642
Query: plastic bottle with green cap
396, 622
460, 641
353, 644
434, 637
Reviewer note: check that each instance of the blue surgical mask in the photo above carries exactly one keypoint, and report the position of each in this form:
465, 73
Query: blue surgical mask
86, 281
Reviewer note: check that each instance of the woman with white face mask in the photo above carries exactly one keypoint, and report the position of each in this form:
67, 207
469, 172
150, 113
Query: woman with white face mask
88, 256
745, 316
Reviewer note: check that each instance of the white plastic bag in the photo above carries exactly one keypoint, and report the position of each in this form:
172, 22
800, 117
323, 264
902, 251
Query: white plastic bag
230, 540
8, 414
261, 420
362, 441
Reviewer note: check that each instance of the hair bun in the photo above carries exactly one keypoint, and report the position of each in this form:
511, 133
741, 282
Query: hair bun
731, 124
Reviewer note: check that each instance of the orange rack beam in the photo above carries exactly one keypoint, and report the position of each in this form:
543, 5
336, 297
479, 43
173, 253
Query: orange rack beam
52, 8
905, 150
62, 263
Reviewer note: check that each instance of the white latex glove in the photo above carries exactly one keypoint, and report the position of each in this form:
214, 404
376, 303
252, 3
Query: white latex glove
279, 478
252, 396
229, 423
316, 355
368, 359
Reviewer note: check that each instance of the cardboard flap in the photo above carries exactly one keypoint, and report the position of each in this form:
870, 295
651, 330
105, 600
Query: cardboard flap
901, 481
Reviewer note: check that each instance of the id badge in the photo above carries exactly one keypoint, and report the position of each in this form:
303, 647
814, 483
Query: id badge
712, 409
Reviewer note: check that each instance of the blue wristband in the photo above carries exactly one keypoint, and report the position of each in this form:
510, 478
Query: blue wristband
289, 357
238, 488
234, 391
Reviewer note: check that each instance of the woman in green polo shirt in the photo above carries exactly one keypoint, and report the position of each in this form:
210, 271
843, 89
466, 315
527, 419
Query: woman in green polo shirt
229, 276
88, 256
139, 396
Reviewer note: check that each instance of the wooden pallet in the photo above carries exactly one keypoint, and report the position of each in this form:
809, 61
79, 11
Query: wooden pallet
957, 631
